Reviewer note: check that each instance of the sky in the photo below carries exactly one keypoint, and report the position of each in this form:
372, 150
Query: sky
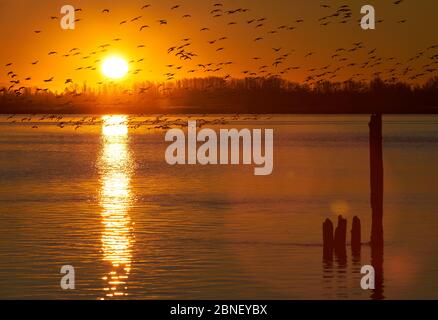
394, 42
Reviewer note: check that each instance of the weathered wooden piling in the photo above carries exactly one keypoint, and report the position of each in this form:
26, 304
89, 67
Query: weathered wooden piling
355, 236
327, 238
341, 233
341, 242
376, 179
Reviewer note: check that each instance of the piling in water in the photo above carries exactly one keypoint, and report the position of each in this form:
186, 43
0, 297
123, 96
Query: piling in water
355, 236
376, 177
376, 173
341, 239
327, 238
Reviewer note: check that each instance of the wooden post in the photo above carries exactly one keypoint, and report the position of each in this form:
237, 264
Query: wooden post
355, 236
341, 242
341, 233
376, 177
327, 238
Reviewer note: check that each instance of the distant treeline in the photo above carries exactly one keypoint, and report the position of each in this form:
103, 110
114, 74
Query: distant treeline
218, 95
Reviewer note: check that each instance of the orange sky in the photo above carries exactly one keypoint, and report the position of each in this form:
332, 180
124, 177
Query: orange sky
21, 46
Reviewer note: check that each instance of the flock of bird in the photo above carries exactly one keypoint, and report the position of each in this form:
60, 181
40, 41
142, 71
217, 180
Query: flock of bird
159, 122
344, 60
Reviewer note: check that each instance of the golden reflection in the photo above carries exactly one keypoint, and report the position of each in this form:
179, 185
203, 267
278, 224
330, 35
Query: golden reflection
115, 197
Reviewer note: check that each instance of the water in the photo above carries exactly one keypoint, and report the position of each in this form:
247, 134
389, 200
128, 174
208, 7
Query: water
102, 199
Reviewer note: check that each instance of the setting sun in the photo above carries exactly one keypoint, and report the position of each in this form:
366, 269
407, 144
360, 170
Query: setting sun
114, 67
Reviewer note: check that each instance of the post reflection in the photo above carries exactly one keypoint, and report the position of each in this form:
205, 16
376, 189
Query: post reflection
115, 168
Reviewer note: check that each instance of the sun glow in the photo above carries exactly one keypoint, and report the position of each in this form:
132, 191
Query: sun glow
115, 67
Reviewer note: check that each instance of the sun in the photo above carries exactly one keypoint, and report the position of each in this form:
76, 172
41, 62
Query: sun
115, 67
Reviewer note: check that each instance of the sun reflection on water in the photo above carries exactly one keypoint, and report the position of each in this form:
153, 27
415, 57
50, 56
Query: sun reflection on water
115, 197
